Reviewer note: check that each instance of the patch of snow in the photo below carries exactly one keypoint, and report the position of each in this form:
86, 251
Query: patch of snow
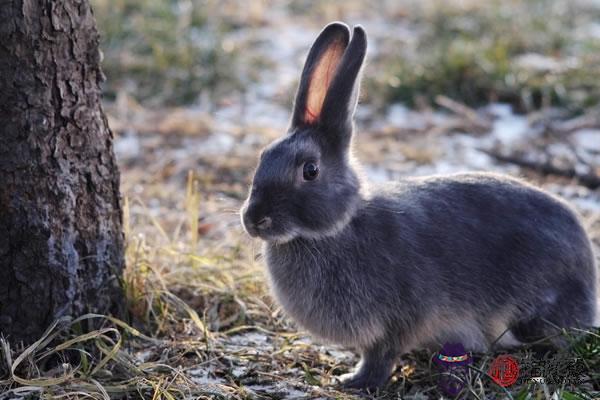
397, 115
588, 31
127, 146
537, 62
249, 338
499, 110
340, 355
201, 377
218, 143
376, 174
560, 151
400, 116
143, 356
588, 139
588, 204
290, 392
508, 128
239, 371
582, 197
466, 148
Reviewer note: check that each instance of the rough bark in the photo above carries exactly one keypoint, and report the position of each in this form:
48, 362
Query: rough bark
61, 242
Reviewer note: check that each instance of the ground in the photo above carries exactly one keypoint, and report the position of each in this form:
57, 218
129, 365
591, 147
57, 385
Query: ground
201, 322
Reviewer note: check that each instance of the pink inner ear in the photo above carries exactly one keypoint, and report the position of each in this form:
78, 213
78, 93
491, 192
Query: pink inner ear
321, 78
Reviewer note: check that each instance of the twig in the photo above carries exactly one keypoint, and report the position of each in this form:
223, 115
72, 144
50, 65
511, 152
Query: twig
587, 121
590, 180
465, 111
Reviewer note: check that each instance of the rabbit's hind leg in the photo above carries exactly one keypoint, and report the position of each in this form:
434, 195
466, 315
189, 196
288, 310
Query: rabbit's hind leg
571, 307
498, 332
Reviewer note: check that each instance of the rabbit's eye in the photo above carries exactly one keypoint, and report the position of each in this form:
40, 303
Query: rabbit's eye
310, 171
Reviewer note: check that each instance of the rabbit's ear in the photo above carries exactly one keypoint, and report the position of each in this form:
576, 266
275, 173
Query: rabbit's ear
319, 72
342, 96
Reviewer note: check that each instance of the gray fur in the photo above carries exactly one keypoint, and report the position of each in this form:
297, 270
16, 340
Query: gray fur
386, 269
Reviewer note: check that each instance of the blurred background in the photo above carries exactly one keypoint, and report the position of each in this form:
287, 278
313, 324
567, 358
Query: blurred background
455, 85
195, 88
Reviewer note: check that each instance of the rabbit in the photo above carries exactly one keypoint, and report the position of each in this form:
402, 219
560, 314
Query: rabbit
476, 258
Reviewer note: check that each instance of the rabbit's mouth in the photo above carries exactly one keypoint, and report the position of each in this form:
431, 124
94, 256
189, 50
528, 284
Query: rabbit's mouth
280, 238
264, 227
268, 234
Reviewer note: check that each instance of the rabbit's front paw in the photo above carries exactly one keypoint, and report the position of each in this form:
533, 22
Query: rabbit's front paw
362, 380
373, 370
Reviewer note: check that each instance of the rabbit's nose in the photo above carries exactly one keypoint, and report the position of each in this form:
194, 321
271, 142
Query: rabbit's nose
264, 223
257, 223
254, 220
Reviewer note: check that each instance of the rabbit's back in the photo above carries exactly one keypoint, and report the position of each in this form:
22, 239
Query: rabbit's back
469, 219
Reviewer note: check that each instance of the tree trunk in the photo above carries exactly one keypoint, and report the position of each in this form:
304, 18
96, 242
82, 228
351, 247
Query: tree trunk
61, 242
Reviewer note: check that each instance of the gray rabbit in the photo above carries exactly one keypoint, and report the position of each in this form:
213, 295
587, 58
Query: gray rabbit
466, 258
